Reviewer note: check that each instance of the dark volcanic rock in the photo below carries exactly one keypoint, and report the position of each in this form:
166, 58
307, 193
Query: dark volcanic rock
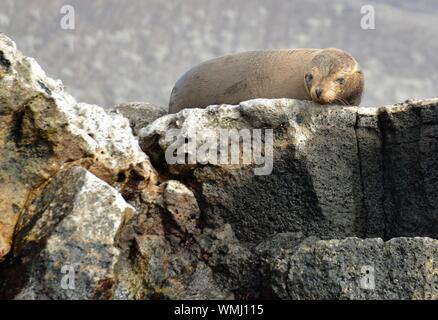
399, 150
401, 268
337, 171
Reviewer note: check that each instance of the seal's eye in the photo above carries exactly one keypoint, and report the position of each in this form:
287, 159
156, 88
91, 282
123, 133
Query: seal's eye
309, 77
340, 80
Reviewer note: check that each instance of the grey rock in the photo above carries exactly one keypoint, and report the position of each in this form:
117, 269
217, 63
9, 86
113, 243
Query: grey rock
401, 268
166, 254
272, 247
44, 129
180, 202
206, 229
66, 247
139, 114
398, 150
159, 269
234, 264
337, 171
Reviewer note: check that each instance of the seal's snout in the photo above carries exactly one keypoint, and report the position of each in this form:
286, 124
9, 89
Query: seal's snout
318, 92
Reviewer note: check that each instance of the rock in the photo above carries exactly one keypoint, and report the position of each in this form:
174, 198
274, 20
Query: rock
139, 114
158, 271
337, 171
66, 246
401, 268
43, 129
166, 253
81, 201
398, 151
180, 202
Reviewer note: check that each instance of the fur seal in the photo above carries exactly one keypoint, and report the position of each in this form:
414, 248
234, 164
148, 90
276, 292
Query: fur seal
326, 76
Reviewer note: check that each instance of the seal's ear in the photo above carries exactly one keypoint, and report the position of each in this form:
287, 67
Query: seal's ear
355, 86
307, 81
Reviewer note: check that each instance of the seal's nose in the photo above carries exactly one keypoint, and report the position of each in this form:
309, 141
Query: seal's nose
318, 92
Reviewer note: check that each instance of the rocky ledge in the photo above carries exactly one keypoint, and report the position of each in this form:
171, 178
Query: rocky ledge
338, 202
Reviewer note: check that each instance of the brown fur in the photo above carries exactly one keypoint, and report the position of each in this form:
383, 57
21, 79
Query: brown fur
271, 74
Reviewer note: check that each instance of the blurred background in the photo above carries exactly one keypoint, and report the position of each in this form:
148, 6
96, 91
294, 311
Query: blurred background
135, 50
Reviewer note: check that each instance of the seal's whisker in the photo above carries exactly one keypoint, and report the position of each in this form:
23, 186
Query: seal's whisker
341, 101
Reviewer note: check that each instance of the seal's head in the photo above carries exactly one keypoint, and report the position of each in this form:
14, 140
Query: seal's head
334, 77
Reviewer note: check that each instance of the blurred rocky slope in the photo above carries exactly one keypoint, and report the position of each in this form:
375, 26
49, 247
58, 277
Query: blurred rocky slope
135, 52
348, 212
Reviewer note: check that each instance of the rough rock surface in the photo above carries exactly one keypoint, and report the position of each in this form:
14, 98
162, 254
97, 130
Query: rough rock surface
70, 227
77, 191
401, 268
43, 129
167, 254
337, 171
139, 114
